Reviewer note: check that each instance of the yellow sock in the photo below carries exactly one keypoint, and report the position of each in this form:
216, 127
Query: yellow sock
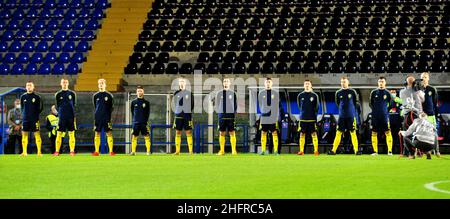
190, 143
147, 143
375, 142
110, 139
354, 141
302, 142
233, 143
133, 143
275, 142
24, 143
222, 143
177, 143
97, 142
38, 139
58, 141
389, 141
263, 142
72, 141
315, 141
337, 141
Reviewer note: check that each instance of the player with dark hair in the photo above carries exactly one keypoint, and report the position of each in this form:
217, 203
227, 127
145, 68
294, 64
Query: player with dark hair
269, 105
140, 111
308, 105
380, 100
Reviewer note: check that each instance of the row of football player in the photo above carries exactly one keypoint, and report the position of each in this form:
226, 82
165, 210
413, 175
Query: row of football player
308, 102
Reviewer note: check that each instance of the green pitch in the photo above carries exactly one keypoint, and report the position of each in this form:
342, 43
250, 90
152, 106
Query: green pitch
211, 176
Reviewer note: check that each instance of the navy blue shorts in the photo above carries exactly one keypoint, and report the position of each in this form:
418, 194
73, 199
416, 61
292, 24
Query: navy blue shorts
66, 125
142, 128
346, 124
227, 124
307, 127
380, 125
102, 125
182, 123
30, 126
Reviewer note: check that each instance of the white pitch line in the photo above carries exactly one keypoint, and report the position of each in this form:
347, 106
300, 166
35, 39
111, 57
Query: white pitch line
431, 186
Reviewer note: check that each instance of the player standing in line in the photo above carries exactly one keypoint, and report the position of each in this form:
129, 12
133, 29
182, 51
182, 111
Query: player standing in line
31, 108
103, 106
183, 104
380, 100
226, 106
65, 104
308, 105
269, 105
430, 104
346, 99
140, 111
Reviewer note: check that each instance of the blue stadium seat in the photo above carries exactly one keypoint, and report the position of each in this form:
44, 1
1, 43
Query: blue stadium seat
50, 4
61, 35
4, 69
23, 58
76, 4
36, 57
82, 46
66, 24
9, 57
88, 35
102, 4
77, 57
71, 13
17, 69
21, 34
58, 69
92, 25
50, 58
98, 13
8, 35
53, 24
31, 69
3, 46
69, 46
13, 25
28, 46
2, 24
26, 24
58, 13
39, 25
72, 69
19, 14
32, 13
63, 4
34, 35
64, 57
42, 46
55, 47
89, 3
45, 13
79, 24
84, 13
44, 69
48, 35
74, 35
15, 46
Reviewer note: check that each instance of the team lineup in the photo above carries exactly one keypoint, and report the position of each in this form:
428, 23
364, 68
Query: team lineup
419, 112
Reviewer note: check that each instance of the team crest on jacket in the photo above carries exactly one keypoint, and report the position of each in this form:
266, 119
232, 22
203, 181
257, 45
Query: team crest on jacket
143, 105
311, 99
70, 97
33, 100
349, 95
187, 96
106, 98
385, 97
430, 93
230, 97
273, 96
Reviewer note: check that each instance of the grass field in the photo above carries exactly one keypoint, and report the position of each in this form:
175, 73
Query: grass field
211, 176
